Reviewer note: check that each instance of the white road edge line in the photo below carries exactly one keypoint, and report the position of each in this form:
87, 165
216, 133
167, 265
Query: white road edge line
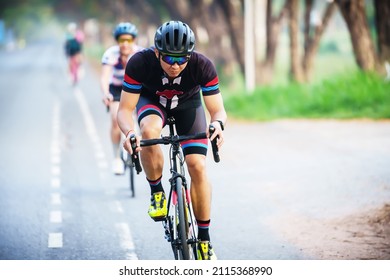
126, 240
124, 231
91, 129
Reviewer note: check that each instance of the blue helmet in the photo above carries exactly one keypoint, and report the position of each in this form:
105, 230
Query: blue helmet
125, 28
175, 37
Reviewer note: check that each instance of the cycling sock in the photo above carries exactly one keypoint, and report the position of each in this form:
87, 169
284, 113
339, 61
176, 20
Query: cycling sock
203, 230
116, 149
155, 185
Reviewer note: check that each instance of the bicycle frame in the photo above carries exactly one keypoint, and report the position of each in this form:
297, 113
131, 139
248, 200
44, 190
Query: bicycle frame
180, 220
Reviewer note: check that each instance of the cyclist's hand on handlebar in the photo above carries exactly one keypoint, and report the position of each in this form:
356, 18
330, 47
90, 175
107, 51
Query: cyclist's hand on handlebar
217, 133
132, 145
107, 99
129, 146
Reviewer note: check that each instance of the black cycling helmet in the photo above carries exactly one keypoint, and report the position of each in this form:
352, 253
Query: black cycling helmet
125, 28
174, 37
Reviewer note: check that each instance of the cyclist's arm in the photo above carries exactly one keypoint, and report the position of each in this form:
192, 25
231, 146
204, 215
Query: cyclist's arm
105, 82
214, 105
125, 119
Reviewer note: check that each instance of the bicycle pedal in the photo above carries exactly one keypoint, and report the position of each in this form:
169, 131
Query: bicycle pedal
159, 219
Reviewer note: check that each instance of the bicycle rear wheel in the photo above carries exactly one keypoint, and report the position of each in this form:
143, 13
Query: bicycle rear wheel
127, 160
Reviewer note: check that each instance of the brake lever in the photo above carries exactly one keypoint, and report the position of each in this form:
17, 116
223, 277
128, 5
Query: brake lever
214, 144
134, 155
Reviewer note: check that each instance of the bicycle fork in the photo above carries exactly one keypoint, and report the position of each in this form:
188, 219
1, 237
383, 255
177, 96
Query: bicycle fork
168, 223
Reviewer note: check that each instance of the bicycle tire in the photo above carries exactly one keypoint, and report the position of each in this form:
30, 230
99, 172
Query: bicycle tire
131, 175
170, 226
184, 252
190, 223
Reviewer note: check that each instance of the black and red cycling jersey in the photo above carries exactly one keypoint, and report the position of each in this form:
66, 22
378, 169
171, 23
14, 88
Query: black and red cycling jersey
145, 76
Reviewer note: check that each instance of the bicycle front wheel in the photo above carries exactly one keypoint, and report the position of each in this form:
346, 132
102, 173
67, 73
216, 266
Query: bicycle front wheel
186, 231
182, 221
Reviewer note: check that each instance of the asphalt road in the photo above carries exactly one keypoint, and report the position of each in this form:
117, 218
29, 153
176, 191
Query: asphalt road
59, 200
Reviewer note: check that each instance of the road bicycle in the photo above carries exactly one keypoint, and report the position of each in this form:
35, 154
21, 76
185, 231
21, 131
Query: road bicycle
75, 67
180, 225
129, 164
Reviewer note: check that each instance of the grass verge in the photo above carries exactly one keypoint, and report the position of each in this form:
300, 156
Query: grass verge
357, 95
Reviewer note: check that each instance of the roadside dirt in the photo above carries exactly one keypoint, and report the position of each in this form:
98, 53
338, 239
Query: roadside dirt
347, 154
365, 236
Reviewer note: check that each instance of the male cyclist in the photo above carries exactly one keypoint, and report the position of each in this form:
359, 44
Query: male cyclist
162, 81
114, 61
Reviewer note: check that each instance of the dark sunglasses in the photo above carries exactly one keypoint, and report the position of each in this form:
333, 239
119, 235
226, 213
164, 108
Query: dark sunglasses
180, 60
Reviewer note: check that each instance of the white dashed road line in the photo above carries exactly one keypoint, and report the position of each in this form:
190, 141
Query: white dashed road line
55, 217
55, 182
55, 240
55, 199
117, 207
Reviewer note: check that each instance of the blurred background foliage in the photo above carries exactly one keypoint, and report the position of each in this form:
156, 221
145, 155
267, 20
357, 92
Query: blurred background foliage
308, 59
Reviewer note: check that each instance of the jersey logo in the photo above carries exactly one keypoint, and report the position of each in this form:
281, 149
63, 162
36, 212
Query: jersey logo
169, 93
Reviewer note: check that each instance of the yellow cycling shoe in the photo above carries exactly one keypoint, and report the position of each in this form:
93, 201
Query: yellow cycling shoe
158, 206
206, 251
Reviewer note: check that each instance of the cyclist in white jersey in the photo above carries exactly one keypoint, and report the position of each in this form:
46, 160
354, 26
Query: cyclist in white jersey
114, 61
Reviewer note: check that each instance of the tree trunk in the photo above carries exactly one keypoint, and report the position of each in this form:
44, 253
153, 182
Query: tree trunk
312, 39
308, 11
235, 28
296, 69
382, 21
354, 15
273, 25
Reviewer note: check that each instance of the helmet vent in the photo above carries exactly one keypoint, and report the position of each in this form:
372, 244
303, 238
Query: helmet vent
176, 39
184, 40
167, 41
